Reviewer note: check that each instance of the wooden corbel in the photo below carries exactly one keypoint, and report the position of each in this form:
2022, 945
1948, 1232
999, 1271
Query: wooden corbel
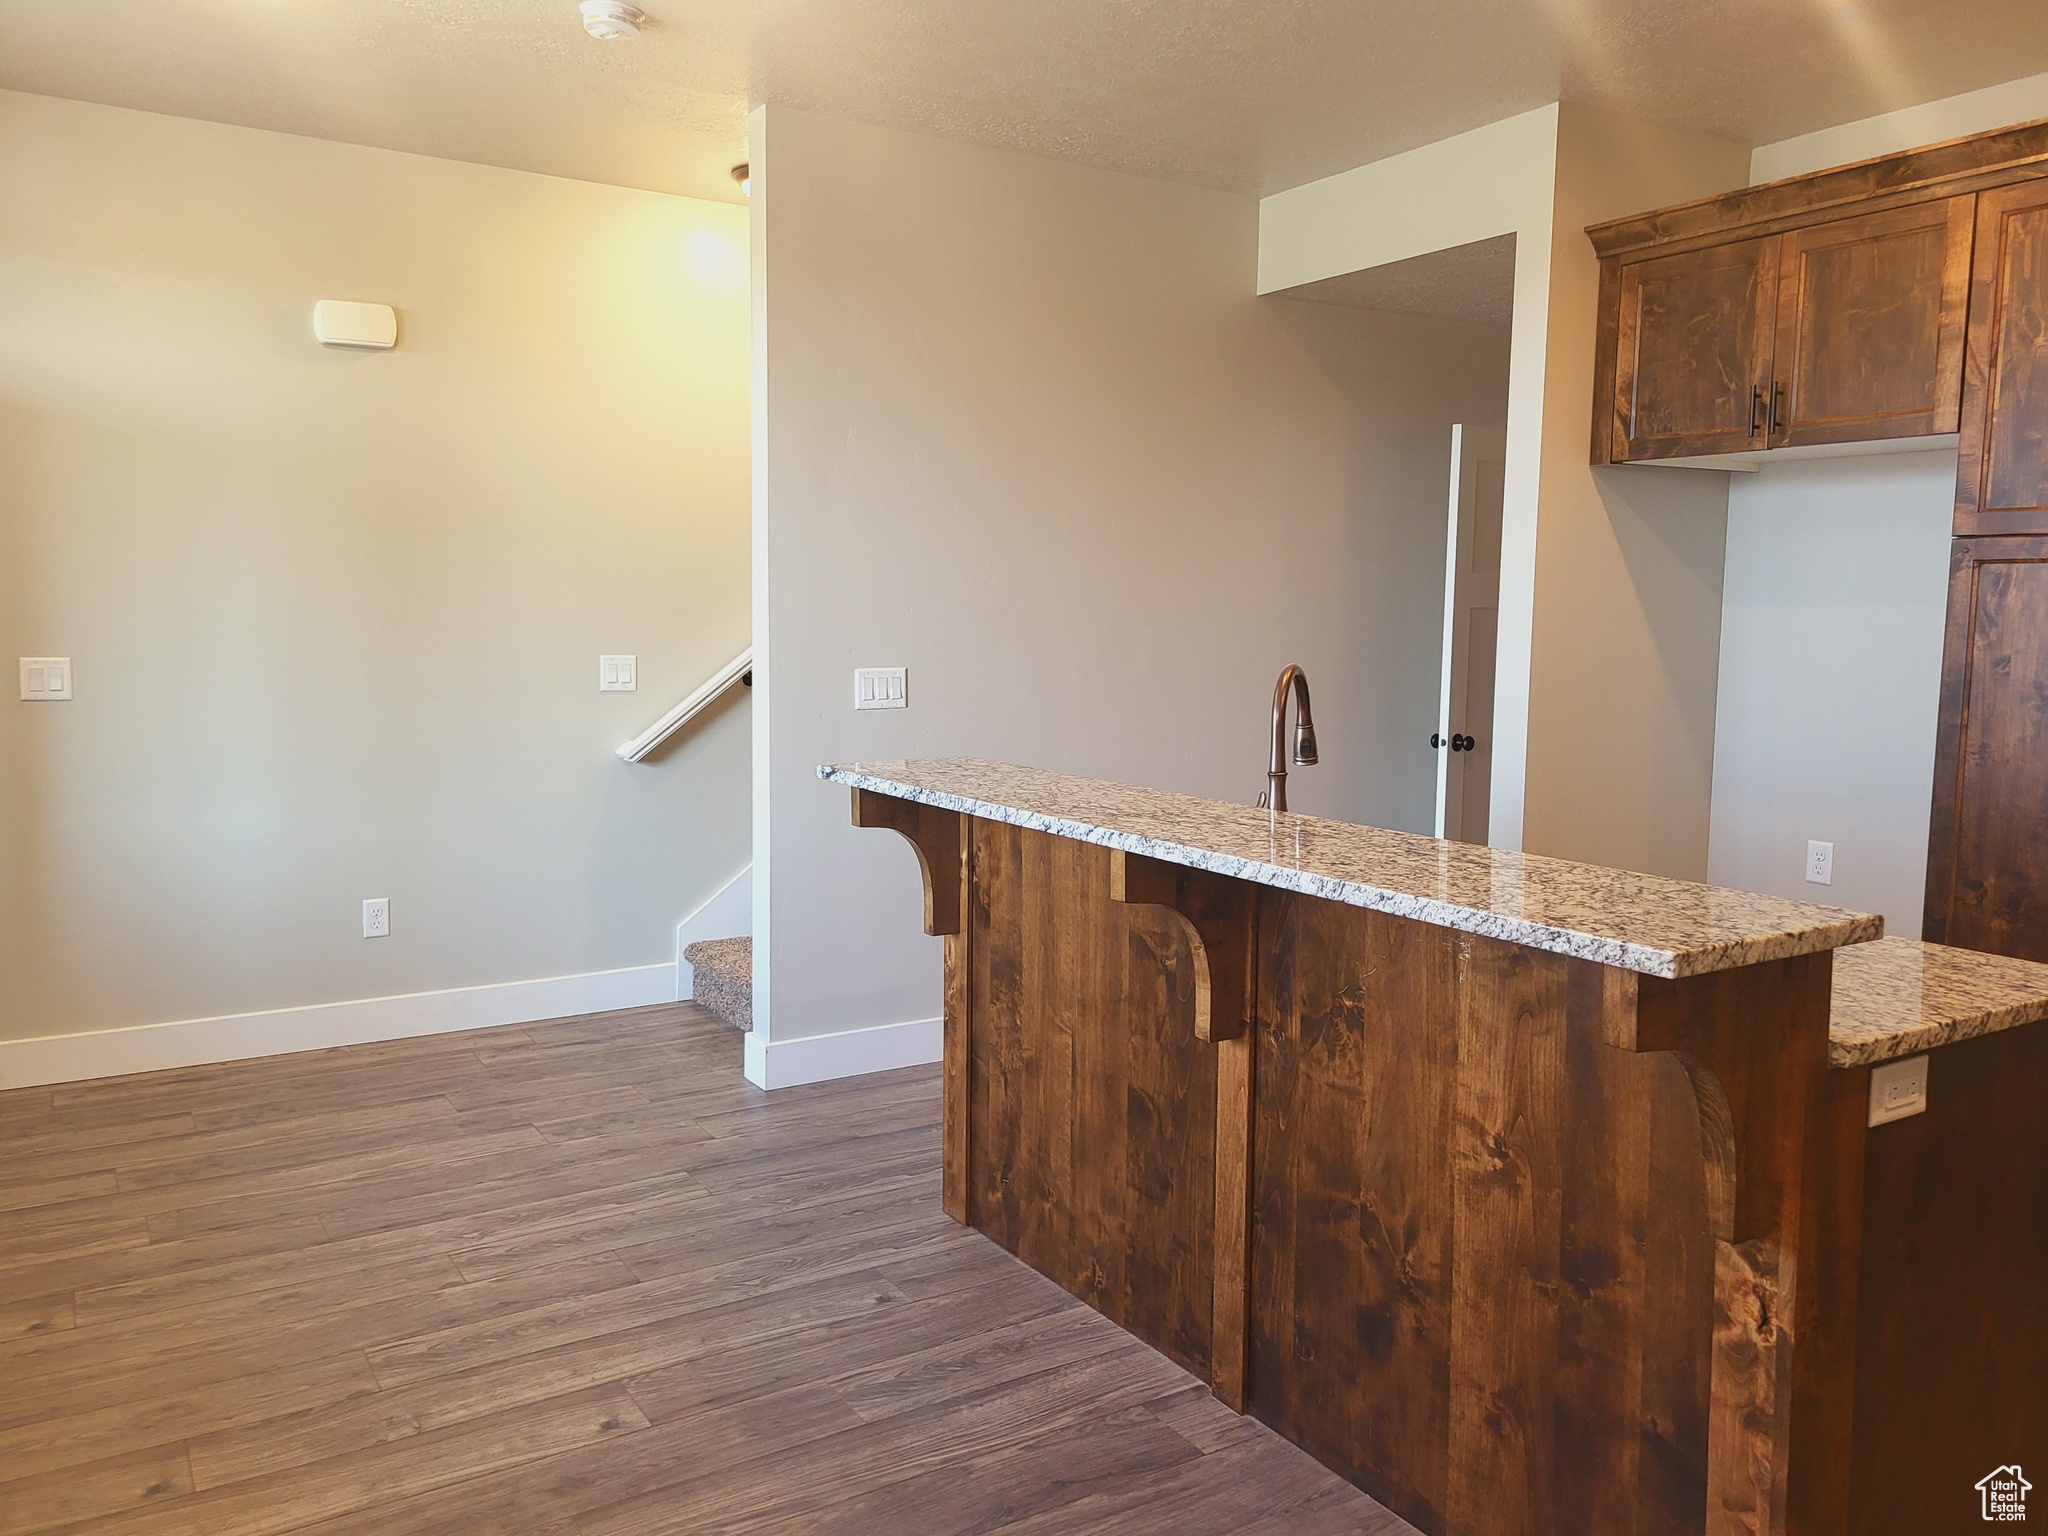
1216, 914
1753, 1043
936, 834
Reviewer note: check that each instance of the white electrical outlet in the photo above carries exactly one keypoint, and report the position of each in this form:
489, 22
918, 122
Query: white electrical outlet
618, 674
377, 917
881, 688
1898, 1089
1820, 863
45, 678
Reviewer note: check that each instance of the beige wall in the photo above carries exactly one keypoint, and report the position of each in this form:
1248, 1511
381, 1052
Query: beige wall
336, 617
1028, 431
1494, 180
1610, 580
1625, 625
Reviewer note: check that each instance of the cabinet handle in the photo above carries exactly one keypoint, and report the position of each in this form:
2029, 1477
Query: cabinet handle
1777, 398
1756, 406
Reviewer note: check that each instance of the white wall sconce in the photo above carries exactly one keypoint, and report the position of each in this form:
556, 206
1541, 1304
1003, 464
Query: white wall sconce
367, 327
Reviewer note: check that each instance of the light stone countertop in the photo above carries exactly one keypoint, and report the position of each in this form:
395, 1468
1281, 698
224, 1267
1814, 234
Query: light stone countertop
1899, 997
1642, 923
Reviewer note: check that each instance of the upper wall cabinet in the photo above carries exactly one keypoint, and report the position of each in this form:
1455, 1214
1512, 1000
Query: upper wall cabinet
1870, 326
1843, 332
1692, 357
2002, 468
1898, 298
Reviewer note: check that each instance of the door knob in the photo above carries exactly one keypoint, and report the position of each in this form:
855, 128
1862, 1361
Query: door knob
1461, 743
1436, 739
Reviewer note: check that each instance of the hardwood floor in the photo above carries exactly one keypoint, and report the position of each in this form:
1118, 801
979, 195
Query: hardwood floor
570, 1277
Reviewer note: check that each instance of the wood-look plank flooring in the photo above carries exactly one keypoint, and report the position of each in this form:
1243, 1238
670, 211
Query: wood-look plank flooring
569, 1277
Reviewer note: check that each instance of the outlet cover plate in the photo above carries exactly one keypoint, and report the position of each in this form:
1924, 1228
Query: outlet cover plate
1898, 1089
377, 918
45, 679
1820, 863
881, 688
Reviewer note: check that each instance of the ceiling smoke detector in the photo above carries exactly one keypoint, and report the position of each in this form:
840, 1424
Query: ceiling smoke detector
610, 20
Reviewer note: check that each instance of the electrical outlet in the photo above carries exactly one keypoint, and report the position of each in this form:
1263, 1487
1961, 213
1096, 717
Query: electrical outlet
45, 678
1898, 1089
377, 917
1820, 863
881, 688
618, 674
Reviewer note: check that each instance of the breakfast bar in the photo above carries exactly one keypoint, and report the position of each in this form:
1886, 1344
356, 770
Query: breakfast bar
1494, 1181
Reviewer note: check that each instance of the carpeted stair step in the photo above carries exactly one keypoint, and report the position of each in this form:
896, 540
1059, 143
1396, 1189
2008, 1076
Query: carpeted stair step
723, 978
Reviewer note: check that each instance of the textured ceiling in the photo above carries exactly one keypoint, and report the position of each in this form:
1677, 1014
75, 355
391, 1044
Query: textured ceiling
1246, 95
1464, 282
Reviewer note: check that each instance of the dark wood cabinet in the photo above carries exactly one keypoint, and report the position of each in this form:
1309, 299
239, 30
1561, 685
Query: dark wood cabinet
1987, 864
2002, 463
1900, 297
1693, 351
1870, 326
1850, 330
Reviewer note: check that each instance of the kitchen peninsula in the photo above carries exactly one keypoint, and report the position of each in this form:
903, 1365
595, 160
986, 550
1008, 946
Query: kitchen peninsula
1494, 1181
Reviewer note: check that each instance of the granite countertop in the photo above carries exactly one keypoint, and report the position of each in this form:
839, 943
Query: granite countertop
1899, 997
1642, 923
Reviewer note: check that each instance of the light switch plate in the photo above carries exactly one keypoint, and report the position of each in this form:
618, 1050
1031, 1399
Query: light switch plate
881, 688
1820, 863
1898, 1089
45, 678
618, 674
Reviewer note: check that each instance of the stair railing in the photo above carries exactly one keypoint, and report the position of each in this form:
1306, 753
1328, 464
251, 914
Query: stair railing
739, 669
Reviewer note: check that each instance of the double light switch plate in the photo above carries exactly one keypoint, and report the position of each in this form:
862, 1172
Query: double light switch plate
45, 678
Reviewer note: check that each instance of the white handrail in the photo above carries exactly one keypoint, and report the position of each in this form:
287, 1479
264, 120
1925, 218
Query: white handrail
689, 709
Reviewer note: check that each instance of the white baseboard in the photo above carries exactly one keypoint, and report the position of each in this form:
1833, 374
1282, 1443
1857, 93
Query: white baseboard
851, 1052
320, 1026
728, 914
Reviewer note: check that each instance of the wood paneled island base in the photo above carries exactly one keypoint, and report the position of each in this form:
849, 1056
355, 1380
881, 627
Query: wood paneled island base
1510, 1237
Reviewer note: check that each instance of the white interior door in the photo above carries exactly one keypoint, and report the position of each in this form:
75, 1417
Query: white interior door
1464, 737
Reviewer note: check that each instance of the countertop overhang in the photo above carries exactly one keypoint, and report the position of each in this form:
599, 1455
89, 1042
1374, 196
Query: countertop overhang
1643, 923
1899, 997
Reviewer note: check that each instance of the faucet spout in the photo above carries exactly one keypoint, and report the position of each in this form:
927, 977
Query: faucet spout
1296, 680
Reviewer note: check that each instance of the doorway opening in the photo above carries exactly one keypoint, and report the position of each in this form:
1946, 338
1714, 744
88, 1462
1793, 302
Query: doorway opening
1434, 690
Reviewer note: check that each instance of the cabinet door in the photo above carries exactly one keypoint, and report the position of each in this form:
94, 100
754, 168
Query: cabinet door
2002, 469
1987, 854
1693, 351
1870, 326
